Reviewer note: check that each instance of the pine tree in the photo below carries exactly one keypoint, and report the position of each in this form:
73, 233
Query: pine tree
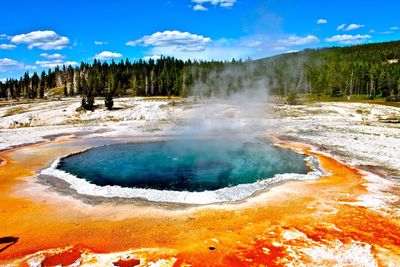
34, 86
42, 84
65, 88
83, 103
90, 101
108, 100
383, 84
26, 85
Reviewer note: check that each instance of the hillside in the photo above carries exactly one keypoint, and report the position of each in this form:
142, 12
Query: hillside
370, 69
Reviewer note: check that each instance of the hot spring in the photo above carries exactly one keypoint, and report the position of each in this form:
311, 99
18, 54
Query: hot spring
182, 165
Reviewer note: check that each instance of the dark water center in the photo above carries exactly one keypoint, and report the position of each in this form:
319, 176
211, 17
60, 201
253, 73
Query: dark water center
184, 165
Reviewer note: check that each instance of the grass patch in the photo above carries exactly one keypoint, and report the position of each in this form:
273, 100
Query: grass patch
161, 98
15, 111
312, 98
363, 112
56, 91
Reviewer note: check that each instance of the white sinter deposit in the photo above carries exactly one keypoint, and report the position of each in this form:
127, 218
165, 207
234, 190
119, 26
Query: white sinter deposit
228, 194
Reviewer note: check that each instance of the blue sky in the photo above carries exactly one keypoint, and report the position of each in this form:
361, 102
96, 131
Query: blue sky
36, 35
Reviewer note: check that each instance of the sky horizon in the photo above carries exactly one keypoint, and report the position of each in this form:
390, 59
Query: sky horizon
38, 35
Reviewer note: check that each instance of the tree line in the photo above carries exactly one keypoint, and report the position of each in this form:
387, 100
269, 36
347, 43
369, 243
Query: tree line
372, 70
166, 76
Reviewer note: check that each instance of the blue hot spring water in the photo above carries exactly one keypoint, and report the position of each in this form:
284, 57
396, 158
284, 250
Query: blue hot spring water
183, 165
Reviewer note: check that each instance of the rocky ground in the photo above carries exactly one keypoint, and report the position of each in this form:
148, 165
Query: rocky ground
360, 134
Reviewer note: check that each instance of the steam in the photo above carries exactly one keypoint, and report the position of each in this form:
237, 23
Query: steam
230, 103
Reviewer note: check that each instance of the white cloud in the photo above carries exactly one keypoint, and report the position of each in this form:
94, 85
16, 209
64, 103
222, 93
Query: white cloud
30, 67
7, 64
54, 63
100, 43
252, 46
252, 43
52, 56
200, 4
341, 27
394, 28
45, 40
322, 21
182, 41
7, 46
296, 40
154, 57
199, 8
353, 27
54, 60
215, 52
372, 31
4, 36
348, 39
3, 80
107, 55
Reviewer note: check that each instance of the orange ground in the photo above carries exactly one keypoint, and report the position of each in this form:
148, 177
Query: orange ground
296, 222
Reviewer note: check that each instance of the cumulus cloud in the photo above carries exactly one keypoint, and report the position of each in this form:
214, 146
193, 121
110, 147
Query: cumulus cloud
52, 56
45, 40
348, 39
182, 41
350, 27
341, 27
353, 26
107, 55
54, 60
100, 43
394, 28
7, 46
322, 21
54, 63
7, 64
296, 40
200, 4
199, 8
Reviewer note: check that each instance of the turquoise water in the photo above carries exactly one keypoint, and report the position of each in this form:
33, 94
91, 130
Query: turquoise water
184, 165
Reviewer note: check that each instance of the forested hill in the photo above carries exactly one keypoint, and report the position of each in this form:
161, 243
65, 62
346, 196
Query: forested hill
371, 69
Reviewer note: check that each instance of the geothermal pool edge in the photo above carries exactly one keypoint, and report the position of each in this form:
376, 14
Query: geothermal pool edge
83, 188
